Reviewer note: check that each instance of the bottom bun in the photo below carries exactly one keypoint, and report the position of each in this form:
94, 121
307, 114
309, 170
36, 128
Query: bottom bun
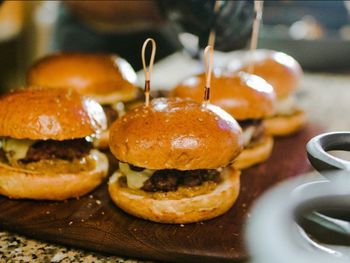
180, 210
285, 125
102, 142
25, 184
254, 155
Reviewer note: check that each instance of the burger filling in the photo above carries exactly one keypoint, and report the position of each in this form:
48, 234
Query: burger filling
253, 132
164, 180
286, 106
113, 111
49, 155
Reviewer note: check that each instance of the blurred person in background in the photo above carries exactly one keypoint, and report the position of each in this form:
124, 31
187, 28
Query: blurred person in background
121, 26
32, 29
113, 26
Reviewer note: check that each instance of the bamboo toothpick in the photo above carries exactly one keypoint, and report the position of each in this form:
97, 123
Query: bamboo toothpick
258, 9
148, 70
211, 39
208, 60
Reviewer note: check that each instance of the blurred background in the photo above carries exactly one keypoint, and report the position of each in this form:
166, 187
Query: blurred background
316, 33
26, 33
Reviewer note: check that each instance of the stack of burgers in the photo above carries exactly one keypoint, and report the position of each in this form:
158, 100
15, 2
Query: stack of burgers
284, 73
257, 89
179, 157
108, 79
52, 130
249, 99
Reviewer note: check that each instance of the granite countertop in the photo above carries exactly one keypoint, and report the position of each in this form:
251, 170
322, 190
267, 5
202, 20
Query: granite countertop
325, 98
16, 248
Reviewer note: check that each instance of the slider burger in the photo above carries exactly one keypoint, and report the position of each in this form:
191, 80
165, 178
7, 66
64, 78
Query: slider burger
46, 151
174, 156
248, 98
284, 73
108, 79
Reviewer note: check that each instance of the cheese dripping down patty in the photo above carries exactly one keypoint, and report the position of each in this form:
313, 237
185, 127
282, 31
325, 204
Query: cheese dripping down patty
247, 134
252, 131
17, 149
135, 179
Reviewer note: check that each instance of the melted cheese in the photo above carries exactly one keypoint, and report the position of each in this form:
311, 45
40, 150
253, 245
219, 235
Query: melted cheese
16, 149
285, 106
135, 179
247, 135
119, 107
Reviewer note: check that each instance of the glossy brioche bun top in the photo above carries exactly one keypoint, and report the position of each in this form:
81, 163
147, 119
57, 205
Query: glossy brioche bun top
243, 95
176, 134
42, 114
279, 69
107, 78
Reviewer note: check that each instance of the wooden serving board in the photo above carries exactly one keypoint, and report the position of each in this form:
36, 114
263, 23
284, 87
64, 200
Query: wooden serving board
94, 223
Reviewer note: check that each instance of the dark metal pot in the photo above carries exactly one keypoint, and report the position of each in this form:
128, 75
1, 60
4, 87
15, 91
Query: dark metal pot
318, 147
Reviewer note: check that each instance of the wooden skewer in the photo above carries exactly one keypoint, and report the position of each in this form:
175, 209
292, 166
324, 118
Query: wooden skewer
148, 70
208, 60
211, 39
258, 8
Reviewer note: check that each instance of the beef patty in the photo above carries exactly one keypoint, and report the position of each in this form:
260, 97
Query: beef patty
50, 149
170, 180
